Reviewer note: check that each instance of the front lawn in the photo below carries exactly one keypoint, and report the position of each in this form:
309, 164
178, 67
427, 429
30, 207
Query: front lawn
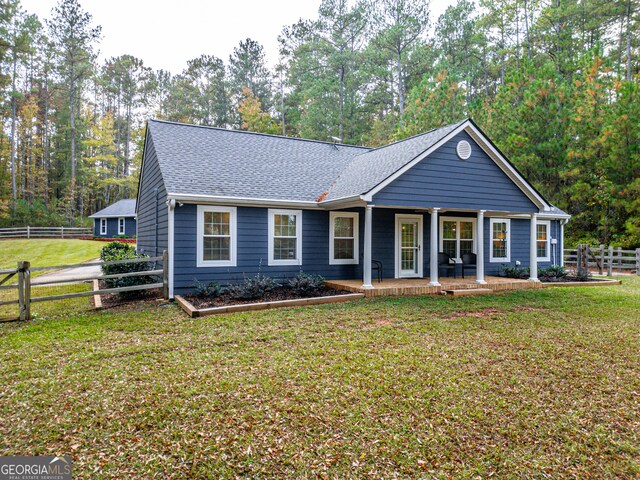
535, 384
47, 252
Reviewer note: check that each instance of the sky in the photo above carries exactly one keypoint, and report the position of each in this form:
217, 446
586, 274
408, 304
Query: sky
165, 34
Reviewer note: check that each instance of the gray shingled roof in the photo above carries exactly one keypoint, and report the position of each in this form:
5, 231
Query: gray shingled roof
218, 162
122, 208
371, 168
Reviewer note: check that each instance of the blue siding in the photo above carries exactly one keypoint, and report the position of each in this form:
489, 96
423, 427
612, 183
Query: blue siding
444, 180
112, 227
152, 209
252, 255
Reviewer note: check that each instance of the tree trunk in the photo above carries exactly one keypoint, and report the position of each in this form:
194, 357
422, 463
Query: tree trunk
400, 86
72, 125
14, 189
341, 126
629, 40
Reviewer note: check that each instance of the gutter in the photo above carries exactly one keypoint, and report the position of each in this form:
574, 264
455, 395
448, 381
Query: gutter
248, 201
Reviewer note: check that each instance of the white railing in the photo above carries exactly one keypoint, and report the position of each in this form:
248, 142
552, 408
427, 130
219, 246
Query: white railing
45, 232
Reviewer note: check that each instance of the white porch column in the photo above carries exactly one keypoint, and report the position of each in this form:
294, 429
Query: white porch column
533, 250
560, 244
368, 223
480, 249
433, 250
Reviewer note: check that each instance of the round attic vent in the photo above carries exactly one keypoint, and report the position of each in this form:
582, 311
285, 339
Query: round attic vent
463, 149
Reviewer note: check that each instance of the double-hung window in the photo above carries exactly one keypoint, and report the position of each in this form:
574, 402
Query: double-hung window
285, 237
457, 236
500, 240
543, 240
120, 226
343, 238
103, 226
217, 236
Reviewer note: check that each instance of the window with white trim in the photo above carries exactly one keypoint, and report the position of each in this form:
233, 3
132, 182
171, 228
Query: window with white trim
543, 240
343, 238
457, 236
285, 237
217, 236
500, 241
121, 226
103, 226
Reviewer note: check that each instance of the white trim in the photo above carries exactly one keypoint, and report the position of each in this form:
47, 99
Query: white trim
171, 205
397, 244
103, 226
493, 259
298, 214
121, 232
213, 199
356, 241
473, 220
547, 223
480, 249
433, 245
112, 216
483, 142
368, 233
233, 234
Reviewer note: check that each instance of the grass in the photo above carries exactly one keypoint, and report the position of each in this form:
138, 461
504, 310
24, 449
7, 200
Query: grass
48, 252
530, 384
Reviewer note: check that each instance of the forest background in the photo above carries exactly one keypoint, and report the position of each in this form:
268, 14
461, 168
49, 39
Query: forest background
554, 84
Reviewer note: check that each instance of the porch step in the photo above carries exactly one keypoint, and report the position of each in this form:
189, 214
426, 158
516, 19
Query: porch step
467, 292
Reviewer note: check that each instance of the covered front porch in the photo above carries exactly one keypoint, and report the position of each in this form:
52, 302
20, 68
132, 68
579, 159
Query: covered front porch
423, 286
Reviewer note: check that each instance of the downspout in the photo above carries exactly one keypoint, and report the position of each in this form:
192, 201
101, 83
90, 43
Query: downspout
171, 205
563, 222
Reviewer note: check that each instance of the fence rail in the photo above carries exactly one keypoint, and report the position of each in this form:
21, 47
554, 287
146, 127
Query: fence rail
45, 232
606, 260
27, 295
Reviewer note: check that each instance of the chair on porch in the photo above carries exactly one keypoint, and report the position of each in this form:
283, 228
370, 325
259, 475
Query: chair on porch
469, 261
377, 266
446, 262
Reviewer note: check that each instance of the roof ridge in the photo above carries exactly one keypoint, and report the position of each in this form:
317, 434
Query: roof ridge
418, 135
233, 130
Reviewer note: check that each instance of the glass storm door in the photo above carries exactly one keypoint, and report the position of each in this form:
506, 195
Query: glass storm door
410, 252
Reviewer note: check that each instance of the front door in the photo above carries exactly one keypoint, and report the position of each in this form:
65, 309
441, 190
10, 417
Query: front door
409, 246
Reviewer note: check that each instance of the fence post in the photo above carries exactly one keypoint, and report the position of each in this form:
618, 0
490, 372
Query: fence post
610, 264
24, 290
601, 265
61, 232
27, 290
637, 261
165, 274
619, 259
28, 232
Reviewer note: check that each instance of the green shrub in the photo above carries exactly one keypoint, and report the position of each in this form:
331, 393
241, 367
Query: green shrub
122, 251
306, 285
514, 272
207, 290
253, 288
554, 271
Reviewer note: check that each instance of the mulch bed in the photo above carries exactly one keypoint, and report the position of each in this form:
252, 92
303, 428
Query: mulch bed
115, 299
568, 279
275, 295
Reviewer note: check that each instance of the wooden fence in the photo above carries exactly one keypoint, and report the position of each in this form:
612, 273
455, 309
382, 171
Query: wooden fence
24, 284
45, 232
606, 260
